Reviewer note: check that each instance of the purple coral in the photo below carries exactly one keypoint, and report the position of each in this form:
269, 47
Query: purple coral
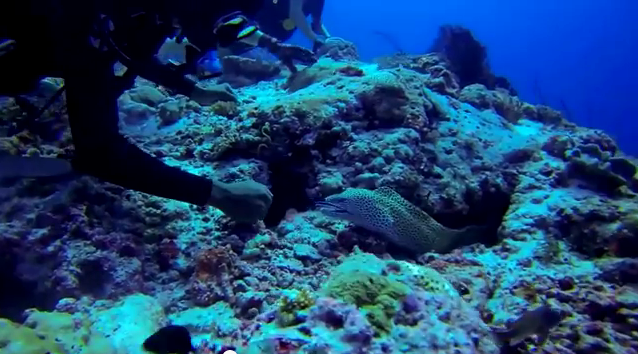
345, 318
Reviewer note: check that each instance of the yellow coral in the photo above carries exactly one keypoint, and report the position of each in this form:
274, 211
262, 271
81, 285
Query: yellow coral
51, 332
288, 307
430, 280
362, 287
379, 319
301, 301
223, 108
376, 294
72, 334
18, 339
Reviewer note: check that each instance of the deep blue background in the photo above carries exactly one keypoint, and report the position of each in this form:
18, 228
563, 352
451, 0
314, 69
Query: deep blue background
584, 52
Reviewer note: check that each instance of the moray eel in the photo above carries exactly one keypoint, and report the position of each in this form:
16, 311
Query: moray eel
402, 223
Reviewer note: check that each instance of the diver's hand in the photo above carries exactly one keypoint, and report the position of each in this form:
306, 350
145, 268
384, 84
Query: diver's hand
245, 201
288, 53
206, 96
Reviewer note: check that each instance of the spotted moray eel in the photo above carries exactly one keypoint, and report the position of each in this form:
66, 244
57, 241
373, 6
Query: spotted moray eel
384, 211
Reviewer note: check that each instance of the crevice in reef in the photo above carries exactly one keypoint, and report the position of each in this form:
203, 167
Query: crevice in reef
487, 210
290, 176
18, 295
93, 278
291, 168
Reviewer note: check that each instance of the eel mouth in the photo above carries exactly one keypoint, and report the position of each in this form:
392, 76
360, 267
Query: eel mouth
330, 207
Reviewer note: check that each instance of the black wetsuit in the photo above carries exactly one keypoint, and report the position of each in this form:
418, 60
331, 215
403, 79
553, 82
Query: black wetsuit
53, 39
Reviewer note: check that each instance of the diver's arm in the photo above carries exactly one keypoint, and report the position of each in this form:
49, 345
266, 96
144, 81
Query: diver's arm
101, 151
299, 18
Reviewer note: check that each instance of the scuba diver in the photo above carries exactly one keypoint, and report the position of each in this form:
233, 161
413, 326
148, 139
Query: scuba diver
80, 41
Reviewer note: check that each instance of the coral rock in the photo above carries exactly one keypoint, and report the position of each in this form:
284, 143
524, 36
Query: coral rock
240, 71
338, 49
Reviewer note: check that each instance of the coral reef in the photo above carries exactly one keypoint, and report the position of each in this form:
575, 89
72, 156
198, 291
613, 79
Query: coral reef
468, 58
239, 71
338, 49
557, 204
52, 332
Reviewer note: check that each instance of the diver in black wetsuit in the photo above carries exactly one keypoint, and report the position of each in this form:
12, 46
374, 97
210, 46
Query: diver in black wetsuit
80, 40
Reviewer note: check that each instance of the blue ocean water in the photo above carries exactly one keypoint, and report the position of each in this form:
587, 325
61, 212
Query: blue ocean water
582, 53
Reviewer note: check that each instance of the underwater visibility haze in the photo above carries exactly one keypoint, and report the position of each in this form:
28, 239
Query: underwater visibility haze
318, 177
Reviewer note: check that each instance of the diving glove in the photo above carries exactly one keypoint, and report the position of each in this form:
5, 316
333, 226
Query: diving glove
244, 201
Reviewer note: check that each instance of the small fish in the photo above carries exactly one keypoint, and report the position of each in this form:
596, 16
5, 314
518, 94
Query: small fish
173, 51
538, 321
171, 339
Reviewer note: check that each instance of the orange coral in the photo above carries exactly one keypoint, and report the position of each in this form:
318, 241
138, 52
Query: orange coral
214, 261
